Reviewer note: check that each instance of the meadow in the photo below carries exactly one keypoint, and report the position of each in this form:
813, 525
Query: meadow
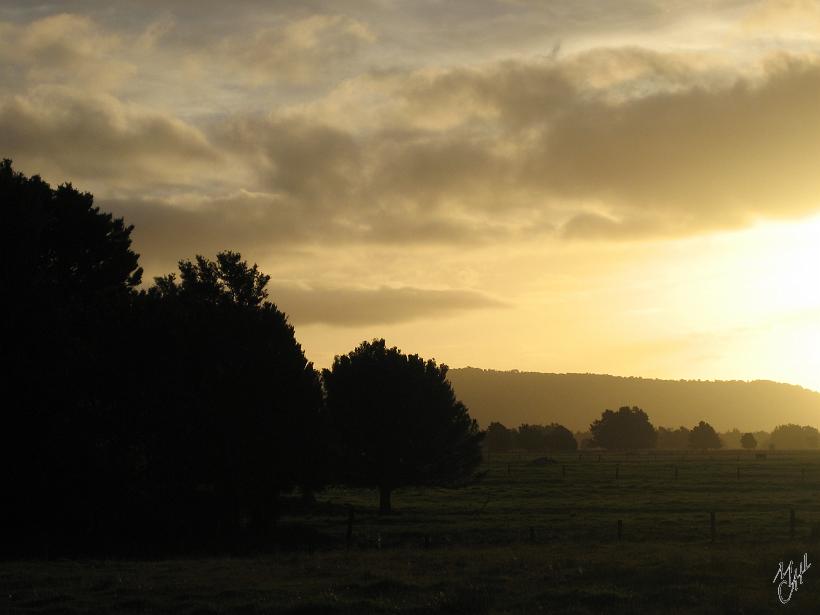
526, 538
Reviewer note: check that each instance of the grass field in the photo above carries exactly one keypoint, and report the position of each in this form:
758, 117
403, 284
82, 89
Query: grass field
525, 539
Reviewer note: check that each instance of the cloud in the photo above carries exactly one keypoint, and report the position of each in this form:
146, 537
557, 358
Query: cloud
632, 144
259, 223
295, 50
62, 48
625, 142
609, 143
69, 135
696, 159
783, 19
352, 307
167, 230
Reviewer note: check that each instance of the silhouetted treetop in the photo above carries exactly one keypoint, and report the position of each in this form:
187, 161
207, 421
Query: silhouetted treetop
57, 241
227, 280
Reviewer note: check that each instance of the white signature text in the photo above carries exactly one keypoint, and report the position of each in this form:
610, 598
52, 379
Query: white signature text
790, 577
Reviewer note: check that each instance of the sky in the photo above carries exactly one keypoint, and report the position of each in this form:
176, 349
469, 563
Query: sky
627, 187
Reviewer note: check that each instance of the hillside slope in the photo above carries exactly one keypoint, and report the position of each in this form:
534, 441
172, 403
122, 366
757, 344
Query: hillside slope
575, 400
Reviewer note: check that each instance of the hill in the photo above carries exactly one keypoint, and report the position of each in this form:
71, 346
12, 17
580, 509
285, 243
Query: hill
575, 400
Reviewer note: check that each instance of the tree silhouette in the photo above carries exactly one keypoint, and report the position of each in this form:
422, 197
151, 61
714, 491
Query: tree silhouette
498, 438
140, 419
69, 274
559, 438
553, 437
57, 242
397, 422
628, 428
748, 441
793, 436
531, 437
248, 421
703, 436
675, 439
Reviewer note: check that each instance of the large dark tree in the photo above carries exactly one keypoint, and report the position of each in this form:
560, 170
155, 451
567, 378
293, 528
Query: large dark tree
130, 418
703, 436
628, 428
239, 407
396, 422
68, 271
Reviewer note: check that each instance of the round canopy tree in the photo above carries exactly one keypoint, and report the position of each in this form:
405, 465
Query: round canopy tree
559, 438
704, 436
748, 441
628, 428
396, 422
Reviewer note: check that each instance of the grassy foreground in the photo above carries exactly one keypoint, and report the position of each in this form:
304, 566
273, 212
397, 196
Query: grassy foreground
526, 539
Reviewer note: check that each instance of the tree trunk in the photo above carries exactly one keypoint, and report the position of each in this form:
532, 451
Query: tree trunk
384, 500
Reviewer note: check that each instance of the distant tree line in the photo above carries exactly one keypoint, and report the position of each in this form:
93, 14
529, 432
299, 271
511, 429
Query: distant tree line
532, 438
782, 437
629, 428
174, 414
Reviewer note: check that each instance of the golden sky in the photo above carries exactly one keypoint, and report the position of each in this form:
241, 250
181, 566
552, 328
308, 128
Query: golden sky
625, 187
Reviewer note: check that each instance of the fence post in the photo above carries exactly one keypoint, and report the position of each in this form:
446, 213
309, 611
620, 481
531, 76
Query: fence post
532, 534
617, 470
738, 473
508, 469
349, 534
620, 529
712, 524
563, 471
676, 472
791, 524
